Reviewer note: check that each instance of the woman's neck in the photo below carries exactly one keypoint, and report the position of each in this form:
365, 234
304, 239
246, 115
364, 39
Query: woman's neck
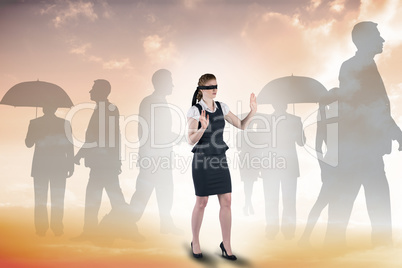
209, 102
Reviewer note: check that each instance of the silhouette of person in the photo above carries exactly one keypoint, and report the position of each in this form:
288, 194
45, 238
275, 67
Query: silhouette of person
156, 147
52, 163
327, 160
366, 130
249, 144
101, 152
282, 171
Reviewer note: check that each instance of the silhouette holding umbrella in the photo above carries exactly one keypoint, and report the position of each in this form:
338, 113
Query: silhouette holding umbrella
53, 158
287, 132
292, 89
37, 94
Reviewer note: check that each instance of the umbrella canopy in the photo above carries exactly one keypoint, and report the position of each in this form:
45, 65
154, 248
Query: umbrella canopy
292, 89
36, 94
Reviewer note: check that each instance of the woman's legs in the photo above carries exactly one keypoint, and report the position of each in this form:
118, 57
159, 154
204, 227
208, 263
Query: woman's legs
196, 220
225, 217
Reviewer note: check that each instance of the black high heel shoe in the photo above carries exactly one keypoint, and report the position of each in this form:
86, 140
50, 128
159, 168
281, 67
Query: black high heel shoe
225, 254
198, 255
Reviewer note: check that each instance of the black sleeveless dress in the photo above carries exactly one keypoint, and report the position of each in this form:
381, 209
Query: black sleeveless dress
209, 167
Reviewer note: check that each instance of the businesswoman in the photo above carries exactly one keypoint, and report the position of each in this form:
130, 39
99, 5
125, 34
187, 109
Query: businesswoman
206, 121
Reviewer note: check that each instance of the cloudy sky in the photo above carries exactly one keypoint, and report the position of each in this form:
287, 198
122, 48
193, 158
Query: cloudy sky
245, 44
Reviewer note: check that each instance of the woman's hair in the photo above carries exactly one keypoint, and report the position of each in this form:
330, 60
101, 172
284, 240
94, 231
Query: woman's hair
201, 82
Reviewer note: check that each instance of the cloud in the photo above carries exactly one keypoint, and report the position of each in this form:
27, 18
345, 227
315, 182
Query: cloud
83, 49
387, 15
277, 38
157, 49
322, 10
107, 10
151, 18
94, 58
337, 5
48, 9
313, 5
191, 4
152, 43
394, 92
70, 10
311, 41
118, 64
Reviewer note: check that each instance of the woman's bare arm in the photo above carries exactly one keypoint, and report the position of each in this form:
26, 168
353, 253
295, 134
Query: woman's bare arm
242, 124
195, 134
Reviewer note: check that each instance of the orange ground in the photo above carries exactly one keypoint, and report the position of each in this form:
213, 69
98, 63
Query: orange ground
20, 247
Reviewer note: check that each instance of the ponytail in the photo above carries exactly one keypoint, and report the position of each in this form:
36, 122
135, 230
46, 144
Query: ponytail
197, 96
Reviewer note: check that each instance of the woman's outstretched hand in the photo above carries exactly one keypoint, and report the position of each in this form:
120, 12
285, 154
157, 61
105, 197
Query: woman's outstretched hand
253, 102
204, 120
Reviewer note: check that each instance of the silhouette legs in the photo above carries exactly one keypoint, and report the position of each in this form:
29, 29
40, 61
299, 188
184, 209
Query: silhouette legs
289, 187
57, 192
371, 176
379, 209
164, 197
322, 201
99, 180
340, 209
248, 191
143, 190
162, 182
271, 192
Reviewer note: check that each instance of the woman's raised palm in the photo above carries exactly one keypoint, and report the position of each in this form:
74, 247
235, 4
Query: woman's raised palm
204, 119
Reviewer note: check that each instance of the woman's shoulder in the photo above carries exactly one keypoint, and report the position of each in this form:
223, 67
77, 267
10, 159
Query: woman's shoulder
224, 106
221, 103
196, 106
193, 112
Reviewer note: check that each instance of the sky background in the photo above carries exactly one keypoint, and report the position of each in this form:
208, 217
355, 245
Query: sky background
245, 44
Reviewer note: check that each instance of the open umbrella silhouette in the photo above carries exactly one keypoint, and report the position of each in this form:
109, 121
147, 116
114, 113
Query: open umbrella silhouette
36, 94
292, 89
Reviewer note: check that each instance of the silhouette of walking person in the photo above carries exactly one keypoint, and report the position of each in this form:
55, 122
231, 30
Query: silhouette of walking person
101, 152
327, 161
52, 163
286, 132
366, 130
154, 148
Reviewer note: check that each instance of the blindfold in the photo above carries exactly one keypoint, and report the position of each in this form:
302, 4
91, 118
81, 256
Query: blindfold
208, 87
